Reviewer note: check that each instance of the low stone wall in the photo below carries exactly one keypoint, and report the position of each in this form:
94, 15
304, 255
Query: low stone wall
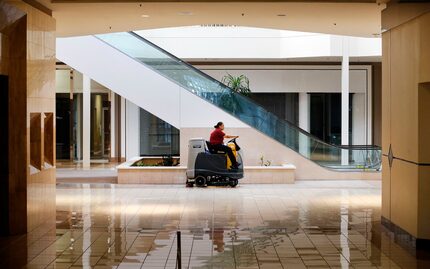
269, 174
152, 175
128, 174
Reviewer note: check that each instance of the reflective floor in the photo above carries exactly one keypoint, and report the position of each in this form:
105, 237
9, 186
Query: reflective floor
311, 224
74, 172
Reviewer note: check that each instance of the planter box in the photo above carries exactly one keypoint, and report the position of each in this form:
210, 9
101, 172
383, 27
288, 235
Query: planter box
269, 174
128, 174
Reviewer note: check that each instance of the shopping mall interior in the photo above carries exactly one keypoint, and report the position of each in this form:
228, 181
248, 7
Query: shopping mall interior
113, 112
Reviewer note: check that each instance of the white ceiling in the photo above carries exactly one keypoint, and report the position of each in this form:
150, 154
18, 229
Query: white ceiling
355, 19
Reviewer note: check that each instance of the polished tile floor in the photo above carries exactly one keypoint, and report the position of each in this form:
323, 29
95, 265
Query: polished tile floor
74, 172
311, 224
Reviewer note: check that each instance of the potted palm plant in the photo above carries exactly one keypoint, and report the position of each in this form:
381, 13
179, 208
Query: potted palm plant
230, 99
239, 84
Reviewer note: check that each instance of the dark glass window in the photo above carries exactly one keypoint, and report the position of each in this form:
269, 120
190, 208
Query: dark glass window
63, 126
157, 137
283, 105
326, 116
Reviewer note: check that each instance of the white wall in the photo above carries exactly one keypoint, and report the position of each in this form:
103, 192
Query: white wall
123, 128
254, 43
359, 124
294, 78
132, 130
139, 84
62, 80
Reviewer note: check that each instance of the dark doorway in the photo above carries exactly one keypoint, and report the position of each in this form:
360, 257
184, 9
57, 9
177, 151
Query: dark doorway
63, 126
283, 105
326, 117
4, 155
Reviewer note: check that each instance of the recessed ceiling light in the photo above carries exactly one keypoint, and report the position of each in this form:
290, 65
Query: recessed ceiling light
185, 13
144, 16
281, 15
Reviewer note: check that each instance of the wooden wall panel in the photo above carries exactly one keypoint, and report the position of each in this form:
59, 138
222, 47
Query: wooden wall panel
424, 202
4, 54
386, 96
404, 196
386, 188
425, 48
4, 155
18, 148
406, 126
36, 141
49, 144
40, 99
424, 123
404, 68
28, 36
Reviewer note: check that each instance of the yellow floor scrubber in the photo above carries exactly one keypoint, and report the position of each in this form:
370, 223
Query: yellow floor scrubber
208, 167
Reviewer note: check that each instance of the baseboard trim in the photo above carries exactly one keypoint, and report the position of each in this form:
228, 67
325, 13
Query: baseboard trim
416, 246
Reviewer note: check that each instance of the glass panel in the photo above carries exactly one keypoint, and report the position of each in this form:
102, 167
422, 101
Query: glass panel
100, 126
157, 137
240, 106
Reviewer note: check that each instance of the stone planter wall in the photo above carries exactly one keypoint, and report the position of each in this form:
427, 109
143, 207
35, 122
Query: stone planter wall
128, 174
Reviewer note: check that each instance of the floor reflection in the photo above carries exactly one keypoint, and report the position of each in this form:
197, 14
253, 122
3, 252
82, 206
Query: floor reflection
311, 224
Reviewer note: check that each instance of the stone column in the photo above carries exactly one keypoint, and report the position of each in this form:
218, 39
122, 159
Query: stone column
304, 107
86, 122
406, 122
345, 98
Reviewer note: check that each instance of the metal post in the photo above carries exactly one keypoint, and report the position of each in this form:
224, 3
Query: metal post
71, 117
178, 250
345, 99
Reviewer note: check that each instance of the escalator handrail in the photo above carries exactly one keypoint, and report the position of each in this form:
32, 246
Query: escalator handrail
290, 124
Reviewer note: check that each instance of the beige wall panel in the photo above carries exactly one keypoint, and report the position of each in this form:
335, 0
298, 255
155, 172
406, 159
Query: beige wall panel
404, 196
19, 141
41, 104
41, 198
424, 122
28, 44
386, 97
406, 84
40, 99
425, 48
386, 188
424, 202
404, 47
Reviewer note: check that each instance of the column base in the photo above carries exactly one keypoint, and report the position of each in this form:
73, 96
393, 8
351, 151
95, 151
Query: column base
418, 247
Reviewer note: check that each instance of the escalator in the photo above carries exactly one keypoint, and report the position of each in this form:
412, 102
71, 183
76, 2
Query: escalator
154, 79
339, 158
